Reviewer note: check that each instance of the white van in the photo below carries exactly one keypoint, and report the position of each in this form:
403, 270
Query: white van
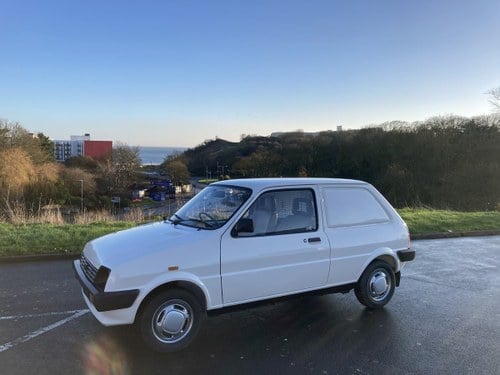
243, 241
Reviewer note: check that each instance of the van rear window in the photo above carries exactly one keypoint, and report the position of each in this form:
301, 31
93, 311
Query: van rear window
352, 206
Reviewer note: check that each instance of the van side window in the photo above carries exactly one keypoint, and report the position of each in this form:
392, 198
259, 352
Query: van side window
280, 212
352, 206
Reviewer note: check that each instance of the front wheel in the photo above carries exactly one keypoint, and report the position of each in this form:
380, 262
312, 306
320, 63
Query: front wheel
376, 285
171, 320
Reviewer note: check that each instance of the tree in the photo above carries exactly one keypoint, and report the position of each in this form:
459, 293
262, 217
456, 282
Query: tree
4, 135
46, 145
177, 171
13, 135
73, 180
262, 163
84, 162
16, 172
120, 171
28, 175
495, 98
45, 188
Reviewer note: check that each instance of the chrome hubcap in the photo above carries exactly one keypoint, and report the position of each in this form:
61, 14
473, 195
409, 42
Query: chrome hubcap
379, 285
172, 321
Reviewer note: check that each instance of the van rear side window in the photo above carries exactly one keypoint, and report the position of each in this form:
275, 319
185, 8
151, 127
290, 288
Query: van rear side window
352, 206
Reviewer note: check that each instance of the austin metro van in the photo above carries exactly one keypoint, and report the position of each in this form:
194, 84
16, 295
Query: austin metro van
242, 241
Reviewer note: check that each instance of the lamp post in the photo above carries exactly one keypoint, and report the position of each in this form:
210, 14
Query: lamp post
81, 195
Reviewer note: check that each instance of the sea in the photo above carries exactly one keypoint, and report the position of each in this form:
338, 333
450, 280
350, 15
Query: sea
156, 155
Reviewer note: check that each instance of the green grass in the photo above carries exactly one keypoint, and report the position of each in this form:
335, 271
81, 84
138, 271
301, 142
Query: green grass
422, 221
70, 238
207, 181
52, 239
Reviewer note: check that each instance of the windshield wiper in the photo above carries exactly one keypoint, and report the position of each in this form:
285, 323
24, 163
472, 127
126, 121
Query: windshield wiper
181, 220
201, 221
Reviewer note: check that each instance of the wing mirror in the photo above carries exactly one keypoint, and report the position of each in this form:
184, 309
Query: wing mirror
242, 226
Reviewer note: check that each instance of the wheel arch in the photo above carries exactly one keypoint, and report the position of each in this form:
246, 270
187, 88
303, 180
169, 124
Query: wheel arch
390, 260
188, 286
393, 263
385, 255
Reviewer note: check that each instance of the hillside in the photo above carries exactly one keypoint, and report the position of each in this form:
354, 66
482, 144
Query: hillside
445, 162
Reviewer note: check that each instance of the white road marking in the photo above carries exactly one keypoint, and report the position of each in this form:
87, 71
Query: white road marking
41, 331
40, 315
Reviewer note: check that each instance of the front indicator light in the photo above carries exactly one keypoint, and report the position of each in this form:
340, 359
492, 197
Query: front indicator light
101, 277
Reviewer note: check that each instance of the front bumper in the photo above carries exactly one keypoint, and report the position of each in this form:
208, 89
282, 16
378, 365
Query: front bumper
406, 255
104, 301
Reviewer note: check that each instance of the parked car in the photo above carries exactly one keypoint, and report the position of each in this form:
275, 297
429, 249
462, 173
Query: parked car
242, 241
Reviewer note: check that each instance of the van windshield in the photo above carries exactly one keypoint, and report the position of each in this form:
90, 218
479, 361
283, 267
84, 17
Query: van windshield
212, 207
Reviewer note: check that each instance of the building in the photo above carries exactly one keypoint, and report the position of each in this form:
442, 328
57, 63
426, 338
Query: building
97, 149
81, 145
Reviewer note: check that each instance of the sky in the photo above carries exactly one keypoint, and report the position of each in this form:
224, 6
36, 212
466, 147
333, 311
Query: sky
177, 73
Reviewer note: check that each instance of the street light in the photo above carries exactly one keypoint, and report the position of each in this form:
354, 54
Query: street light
81, 195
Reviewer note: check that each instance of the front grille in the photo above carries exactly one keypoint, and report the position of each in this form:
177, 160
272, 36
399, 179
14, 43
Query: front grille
88, 268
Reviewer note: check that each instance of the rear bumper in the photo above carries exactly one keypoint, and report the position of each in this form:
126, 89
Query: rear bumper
406, 255
104, 301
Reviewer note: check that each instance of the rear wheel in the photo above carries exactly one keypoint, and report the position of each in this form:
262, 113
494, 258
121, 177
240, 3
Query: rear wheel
171, 320
376, 285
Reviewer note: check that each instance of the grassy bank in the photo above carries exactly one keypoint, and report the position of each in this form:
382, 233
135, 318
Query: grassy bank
52, 239
70, 238
422, 221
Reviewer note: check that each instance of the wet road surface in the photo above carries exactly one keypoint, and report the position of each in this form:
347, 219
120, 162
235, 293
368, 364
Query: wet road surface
444, 318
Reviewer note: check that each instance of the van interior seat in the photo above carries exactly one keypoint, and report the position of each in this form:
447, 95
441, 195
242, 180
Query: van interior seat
302, 217
264, 216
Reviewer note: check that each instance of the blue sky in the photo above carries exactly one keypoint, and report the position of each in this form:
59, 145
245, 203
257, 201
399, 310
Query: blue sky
175, 73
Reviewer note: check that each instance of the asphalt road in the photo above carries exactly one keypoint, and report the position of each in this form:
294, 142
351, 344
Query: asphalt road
443, 319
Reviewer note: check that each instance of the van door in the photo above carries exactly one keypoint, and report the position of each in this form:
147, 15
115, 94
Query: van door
276, 248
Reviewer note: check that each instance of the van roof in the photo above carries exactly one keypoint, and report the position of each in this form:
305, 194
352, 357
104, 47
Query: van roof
262, 183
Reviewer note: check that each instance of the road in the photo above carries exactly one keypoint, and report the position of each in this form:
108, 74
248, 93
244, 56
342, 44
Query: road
444, 318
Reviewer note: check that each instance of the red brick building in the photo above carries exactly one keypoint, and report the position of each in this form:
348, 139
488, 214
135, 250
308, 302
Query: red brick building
97, 149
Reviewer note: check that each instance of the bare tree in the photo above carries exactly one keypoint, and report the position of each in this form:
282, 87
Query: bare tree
178, 171
495, 98
120, 170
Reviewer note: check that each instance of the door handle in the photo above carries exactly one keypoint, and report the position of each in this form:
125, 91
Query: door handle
314, 239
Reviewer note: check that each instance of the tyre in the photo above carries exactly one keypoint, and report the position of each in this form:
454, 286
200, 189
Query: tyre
171, 320
376, 285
